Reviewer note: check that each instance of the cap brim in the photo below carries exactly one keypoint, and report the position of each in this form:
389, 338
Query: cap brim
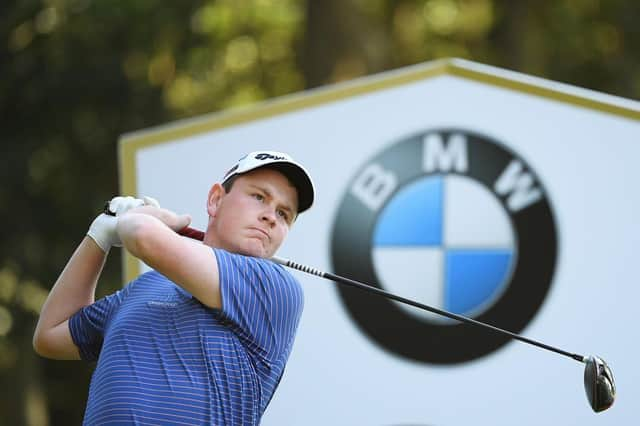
300, 179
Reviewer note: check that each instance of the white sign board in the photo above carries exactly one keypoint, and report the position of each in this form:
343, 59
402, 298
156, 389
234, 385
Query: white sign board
491, 194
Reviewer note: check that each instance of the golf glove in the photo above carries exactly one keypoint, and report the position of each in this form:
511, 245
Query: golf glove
103, 228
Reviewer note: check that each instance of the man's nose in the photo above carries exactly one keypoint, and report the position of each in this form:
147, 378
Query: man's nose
269, 215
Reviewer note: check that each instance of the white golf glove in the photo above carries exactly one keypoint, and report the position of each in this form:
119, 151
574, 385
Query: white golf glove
103, 228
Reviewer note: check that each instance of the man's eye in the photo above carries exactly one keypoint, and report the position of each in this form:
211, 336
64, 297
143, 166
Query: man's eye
258, 197
283, 215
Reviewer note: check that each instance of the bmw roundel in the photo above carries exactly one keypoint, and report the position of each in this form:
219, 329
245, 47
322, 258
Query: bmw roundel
454, 220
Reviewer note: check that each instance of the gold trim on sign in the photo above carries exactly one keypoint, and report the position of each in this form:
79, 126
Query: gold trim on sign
128, 185
545, 92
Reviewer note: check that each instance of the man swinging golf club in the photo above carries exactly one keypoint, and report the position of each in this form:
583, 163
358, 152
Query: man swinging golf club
250, 317
204, 337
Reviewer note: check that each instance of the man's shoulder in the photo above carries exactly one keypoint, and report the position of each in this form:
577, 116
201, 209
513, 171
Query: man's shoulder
242, 259
245, 265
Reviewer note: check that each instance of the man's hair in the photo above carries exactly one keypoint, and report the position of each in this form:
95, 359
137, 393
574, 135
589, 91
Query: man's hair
229, 183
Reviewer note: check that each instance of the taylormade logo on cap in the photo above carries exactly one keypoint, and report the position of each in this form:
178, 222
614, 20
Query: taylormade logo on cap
284, 164
267, 156
257, 159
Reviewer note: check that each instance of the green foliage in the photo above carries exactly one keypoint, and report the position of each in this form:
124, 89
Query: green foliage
76, 74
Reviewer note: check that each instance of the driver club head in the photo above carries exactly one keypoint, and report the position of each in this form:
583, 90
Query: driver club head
599, 384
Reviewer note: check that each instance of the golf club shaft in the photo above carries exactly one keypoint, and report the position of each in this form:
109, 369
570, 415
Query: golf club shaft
199, 235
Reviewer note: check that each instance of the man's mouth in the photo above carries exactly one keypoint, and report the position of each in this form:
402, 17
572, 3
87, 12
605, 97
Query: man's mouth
262, 232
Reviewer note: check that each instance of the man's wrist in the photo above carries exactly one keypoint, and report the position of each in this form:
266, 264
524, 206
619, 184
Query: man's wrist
103, 232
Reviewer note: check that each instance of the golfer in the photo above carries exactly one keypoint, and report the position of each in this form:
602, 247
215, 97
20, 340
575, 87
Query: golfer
203, 338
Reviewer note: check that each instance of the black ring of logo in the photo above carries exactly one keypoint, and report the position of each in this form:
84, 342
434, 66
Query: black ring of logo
402, 334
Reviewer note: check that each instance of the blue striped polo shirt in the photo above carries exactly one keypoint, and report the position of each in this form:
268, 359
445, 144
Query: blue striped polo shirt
164, 358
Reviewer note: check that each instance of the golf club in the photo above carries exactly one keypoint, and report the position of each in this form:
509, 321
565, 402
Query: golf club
598, 378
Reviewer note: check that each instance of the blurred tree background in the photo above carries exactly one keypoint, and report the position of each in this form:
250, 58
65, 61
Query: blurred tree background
77, 74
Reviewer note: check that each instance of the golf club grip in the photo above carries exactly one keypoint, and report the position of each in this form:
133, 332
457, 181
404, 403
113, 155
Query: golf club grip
192, 233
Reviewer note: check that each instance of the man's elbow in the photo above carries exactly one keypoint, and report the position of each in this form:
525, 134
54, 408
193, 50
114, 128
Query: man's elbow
41, 345
53, 345
36, 343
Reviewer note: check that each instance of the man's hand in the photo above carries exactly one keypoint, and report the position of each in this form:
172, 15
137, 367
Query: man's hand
103, 229
173, 220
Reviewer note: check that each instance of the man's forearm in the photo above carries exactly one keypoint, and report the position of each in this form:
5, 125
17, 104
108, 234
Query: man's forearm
75, 287
188, 264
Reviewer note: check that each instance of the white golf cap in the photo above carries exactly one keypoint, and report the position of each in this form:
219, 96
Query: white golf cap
283, 163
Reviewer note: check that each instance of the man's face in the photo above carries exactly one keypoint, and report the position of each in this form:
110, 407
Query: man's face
254, 217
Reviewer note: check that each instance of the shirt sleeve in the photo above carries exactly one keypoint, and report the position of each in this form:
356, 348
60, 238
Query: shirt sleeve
87, 326
262, 301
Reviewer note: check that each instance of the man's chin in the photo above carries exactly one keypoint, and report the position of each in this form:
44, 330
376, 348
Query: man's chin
255, 251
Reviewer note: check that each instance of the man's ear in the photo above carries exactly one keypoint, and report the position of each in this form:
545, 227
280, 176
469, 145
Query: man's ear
216, 193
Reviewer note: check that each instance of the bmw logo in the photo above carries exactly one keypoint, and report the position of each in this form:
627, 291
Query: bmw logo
452, 219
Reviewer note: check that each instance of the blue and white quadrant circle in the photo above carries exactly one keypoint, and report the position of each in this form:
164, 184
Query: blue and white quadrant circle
447, 242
